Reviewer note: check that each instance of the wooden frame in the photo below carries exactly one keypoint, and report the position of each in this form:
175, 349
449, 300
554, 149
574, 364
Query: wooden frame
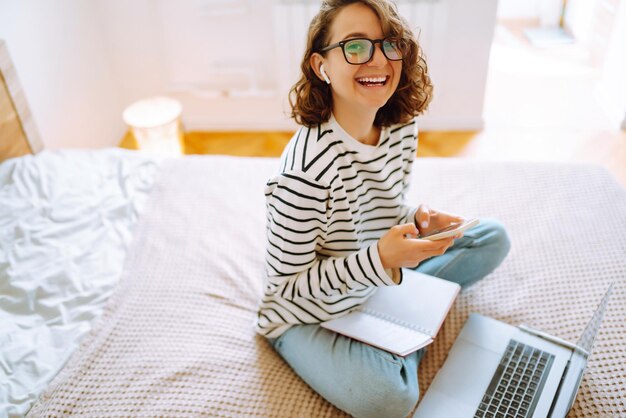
18, 132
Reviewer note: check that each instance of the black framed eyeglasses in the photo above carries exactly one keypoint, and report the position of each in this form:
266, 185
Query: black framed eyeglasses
359, 51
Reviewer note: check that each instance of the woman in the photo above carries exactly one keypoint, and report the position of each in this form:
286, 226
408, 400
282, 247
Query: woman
338, 226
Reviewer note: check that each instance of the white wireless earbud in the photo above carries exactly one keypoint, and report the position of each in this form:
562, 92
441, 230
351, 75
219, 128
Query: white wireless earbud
324, 74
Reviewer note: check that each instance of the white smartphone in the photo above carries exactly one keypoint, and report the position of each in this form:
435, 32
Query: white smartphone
450, 230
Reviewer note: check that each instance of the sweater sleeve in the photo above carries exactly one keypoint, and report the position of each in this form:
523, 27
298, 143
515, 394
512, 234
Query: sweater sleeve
407, 212
297, 211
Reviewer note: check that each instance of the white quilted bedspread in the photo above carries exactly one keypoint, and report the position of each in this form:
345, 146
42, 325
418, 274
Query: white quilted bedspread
177, 338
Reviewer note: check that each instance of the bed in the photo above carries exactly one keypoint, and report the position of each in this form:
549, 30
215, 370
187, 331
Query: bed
129, 283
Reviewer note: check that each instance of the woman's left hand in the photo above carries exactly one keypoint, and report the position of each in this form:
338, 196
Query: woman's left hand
429, 220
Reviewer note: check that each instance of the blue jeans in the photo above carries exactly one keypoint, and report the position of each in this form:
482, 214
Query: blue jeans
368, 382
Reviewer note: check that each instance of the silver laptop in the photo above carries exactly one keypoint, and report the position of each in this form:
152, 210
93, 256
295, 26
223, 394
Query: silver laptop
497, 370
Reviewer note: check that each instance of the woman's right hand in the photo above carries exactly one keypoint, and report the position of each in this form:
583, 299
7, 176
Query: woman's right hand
396, 250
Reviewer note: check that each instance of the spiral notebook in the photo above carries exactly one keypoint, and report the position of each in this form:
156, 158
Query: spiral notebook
400, 319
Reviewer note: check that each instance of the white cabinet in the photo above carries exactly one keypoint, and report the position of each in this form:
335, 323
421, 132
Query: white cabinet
231, 63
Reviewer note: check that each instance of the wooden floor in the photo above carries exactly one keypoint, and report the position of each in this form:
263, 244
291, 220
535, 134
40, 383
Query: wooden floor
539, 106
271, 144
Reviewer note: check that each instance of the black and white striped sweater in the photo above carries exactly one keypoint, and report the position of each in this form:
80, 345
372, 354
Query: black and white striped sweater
327, 207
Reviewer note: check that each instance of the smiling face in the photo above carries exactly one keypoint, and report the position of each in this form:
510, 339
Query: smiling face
366, 87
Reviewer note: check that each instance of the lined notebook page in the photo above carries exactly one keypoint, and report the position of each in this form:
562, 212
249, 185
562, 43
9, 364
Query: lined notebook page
400, 319
421, 302
379, 333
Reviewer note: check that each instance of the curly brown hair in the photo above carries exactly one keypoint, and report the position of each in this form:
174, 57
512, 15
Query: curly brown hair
311, 99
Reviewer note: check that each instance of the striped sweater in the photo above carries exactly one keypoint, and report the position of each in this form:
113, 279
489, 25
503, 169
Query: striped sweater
331, 201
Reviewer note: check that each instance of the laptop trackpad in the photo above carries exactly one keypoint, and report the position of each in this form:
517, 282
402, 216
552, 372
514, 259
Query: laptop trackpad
467, 372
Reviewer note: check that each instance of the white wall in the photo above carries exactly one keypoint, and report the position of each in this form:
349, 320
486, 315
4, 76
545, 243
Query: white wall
612, 87
188, 50
518, 9
460, 71
81, 62
579, 19
548, 12
57, 48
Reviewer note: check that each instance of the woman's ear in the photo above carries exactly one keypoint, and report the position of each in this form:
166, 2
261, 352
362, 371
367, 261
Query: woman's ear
317, 64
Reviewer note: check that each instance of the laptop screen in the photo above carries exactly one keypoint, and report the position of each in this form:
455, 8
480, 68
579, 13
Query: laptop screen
589, 334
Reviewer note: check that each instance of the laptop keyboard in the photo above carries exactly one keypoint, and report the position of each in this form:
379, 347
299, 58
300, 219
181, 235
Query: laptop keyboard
515, 387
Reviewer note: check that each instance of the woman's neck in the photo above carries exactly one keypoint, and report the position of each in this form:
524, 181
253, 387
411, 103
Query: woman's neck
359, 125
